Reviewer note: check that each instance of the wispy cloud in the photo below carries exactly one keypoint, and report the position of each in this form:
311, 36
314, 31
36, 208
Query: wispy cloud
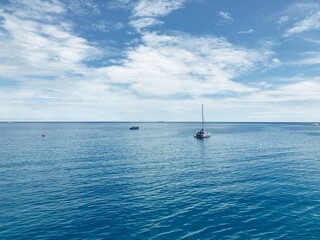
156, 8
120, 4
38, 46
225, 15
35, 10
48, 61
302, 17
141, 23
310, 22
282, 19
165, 65
84, 7
105, 26
306, 89
246, 32
308, 58
146, 12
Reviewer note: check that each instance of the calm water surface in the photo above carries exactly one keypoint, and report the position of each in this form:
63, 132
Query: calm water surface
103, 181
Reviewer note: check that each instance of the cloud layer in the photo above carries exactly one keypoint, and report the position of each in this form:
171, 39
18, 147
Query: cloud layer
49, 70
178, 64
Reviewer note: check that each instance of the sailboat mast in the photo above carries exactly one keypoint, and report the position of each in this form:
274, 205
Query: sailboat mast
202, 116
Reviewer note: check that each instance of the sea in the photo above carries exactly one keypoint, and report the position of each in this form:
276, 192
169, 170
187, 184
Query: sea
103, 181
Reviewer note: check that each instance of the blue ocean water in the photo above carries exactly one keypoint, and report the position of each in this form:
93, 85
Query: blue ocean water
103, 181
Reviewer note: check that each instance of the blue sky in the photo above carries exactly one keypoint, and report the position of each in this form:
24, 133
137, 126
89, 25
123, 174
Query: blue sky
152, 60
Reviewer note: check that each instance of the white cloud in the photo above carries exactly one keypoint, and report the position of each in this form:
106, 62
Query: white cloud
299, 8
36, 9
282, 19
141, 23
35, 47
302, 16
165, 65
156, 8
146, 13
310, 61
276, 61
246, 32
83, 7
120, 4
310, 22
305, 90
105, 26
42, 55
295, 100
225, 15
307, 58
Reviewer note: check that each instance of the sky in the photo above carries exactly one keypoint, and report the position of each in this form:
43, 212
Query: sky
159, 60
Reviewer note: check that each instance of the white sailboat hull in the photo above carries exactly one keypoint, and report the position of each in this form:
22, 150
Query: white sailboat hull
202, 133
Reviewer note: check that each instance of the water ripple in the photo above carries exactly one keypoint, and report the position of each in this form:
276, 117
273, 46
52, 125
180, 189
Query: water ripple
257, 181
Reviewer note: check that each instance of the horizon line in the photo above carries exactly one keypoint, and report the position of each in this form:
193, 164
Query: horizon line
93, 121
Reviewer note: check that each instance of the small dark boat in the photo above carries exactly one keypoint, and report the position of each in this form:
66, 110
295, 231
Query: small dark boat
43, 135
134, 128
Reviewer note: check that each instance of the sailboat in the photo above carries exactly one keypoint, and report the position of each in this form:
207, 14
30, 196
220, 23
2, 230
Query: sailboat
202, 133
